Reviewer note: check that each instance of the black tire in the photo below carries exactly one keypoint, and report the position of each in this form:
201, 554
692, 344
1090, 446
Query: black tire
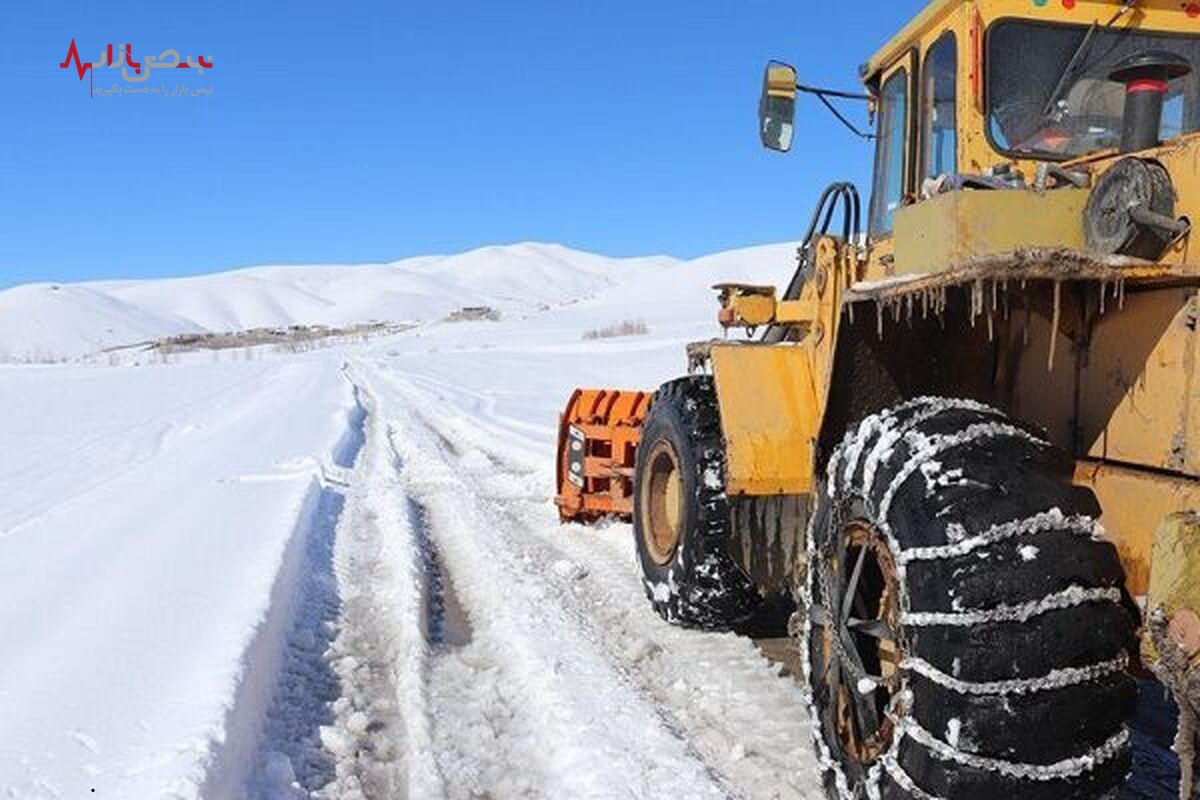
698, 585
1010, 632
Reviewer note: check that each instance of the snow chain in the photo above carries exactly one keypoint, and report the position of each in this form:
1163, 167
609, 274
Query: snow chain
844, 462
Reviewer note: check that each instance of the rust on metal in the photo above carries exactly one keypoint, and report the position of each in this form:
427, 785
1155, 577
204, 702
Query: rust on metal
1185, 632
872, 596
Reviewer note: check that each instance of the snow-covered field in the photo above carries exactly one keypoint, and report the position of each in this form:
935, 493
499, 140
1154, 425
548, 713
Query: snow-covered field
51, 322
340, 573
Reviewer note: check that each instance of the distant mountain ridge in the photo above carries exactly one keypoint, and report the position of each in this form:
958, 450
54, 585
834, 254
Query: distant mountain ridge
48, 322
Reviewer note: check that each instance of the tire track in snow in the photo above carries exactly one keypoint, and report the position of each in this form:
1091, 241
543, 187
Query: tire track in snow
716, 691
446, 622
348, 719
530, 706
380, 737
273, 743
483, 743
290, 750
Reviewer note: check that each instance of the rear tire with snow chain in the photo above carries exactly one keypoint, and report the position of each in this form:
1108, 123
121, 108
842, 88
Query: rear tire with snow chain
967, 632
681, 515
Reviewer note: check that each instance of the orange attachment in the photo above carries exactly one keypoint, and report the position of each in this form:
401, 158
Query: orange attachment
598, 434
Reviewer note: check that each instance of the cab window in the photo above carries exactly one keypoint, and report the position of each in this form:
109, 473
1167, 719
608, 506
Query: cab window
1044, 103
939, 140
888, 185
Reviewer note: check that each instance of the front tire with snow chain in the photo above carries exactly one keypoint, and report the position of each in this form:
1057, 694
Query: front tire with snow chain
967, 631
681, 514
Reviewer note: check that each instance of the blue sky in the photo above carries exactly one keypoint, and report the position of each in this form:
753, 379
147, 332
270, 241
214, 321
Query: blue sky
369, 131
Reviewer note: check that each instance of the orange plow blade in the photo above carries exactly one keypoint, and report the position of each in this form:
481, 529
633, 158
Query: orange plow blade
598, 434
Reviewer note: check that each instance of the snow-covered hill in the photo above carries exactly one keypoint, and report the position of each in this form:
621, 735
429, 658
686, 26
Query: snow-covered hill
50, 322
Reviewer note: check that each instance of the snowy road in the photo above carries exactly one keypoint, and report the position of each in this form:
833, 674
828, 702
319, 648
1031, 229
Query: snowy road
483, 650
328, 577
619, 704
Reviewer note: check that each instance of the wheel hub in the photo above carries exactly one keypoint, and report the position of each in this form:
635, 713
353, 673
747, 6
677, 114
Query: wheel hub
662, 502
859, 641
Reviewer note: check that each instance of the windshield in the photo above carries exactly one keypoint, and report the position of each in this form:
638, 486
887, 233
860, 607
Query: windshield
1027, 61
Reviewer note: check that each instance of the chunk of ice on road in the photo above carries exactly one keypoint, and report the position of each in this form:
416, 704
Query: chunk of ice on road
358, 723
641, 649
569, 570
337, 742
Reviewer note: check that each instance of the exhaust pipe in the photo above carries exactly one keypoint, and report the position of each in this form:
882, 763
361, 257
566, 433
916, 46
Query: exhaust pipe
1146, 77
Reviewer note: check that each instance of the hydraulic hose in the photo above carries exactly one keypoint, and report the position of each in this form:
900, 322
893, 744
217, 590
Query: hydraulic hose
843, 196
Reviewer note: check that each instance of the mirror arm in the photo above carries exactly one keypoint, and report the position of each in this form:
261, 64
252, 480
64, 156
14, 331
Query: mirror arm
831, 93
824, 94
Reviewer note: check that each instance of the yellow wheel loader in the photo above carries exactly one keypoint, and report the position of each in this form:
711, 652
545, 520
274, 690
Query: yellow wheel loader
965, 435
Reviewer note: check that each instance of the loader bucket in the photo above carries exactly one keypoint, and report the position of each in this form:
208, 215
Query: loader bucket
598, 434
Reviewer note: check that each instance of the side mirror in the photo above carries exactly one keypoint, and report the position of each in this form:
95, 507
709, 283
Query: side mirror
777, 106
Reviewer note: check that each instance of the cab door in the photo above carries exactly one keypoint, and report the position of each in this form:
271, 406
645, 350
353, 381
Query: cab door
939, 110
895, 163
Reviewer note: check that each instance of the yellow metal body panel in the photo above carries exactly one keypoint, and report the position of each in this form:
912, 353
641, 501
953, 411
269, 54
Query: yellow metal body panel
1135, 503
772, 397
1175, 575
752, 310
1181, 158
933, 17
1139, 399
953, 227
768, 397
795, 311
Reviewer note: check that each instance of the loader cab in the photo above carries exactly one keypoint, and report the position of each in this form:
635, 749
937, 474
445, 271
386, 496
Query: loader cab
992, 88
